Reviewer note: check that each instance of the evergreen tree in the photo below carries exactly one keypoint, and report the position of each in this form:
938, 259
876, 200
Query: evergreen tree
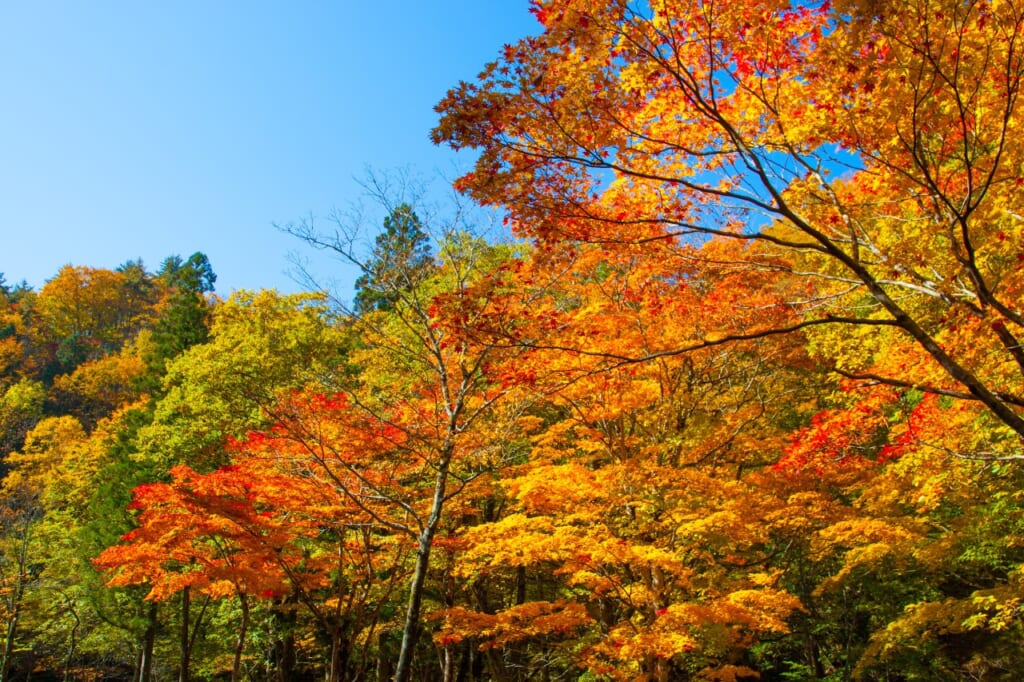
401, 259
185, 319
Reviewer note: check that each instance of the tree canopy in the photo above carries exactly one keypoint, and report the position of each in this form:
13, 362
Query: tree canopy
744, 401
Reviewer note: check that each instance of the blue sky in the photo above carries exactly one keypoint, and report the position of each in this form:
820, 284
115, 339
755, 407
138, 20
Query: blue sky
145, 129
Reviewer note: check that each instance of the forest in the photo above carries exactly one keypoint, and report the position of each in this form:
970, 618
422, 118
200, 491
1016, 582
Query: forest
741, 397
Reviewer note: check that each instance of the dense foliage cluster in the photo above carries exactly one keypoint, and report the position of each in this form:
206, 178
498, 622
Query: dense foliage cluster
746, 402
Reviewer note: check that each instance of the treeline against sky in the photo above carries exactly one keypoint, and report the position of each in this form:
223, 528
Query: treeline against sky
744, 401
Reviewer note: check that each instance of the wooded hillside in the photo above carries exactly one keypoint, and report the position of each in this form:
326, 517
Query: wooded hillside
744, 401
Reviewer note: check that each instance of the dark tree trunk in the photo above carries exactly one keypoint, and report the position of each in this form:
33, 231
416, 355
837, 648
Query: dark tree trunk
413, 625
236, 667
73, 643
284, 645
384, 669
145, 671
340, 653
186, 654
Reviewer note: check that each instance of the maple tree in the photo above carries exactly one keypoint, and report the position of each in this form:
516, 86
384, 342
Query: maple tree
748, 405
425, 407
260, 345
870, 150
212, 535
929, 543
81, 343
628, 463
857, 164
405, 432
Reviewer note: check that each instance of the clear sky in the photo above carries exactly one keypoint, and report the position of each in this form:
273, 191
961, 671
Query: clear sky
141, 129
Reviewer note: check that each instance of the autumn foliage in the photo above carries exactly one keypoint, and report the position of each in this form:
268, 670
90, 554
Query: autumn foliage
746, 401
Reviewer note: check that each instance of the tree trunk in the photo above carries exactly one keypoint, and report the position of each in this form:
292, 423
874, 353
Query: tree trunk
12, 628
383, 657
236, 667
186, 654
339, 655
284, 644
146, 653
14, 604
448, 663
286, 658
411, 631
73, 644
464, 662
492, 660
